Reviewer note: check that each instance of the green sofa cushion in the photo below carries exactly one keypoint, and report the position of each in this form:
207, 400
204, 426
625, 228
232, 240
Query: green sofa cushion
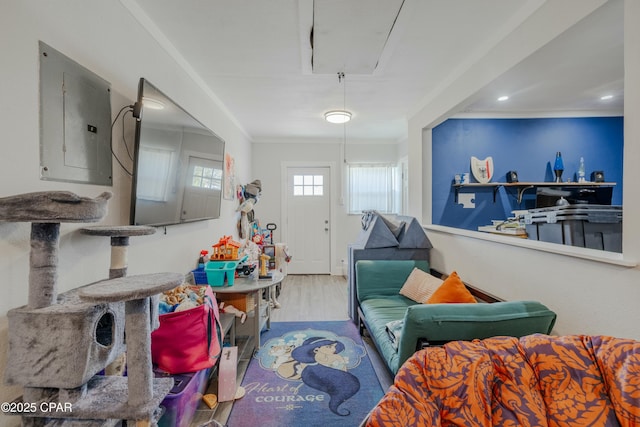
440, 323
380, 311
376, 279
377, 313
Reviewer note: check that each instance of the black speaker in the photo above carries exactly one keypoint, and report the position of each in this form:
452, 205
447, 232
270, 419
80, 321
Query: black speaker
597, 176
512, 176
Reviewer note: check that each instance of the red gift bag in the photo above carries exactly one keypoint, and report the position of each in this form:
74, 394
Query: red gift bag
189, 340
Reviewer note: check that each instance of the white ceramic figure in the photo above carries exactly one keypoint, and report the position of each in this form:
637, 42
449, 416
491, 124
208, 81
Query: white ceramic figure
482, 170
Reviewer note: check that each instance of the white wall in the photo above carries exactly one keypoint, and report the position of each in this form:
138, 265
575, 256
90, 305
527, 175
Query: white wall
103, 37
590, 297
267, 161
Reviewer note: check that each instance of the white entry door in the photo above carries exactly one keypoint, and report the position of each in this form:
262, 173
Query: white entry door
202, 188
308, 210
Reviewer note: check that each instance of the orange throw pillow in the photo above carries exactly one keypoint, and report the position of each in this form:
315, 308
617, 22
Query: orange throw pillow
452, 290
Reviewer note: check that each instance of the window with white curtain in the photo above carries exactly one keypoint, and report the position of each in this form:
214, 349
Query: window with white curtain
374, 187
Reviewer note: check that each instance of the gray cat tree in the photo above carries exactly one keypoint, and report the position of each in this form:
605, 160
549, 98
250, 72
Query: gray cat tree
58, 343
119, 237
119, 242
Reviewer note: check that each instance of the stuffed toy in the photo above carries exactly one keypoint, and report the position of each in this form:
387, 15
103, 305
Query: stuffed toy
248, 196
231, 309
253, 252
258, 239
253, 190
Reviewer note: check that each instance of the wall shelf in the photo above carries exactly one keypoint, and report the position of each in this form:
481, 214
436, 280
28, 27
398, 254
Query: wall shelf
524, 186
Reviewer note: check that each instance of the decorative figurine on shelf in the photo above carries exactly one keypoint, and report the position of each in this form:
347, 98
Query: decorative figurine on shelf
482, 170
581, 173
558, 167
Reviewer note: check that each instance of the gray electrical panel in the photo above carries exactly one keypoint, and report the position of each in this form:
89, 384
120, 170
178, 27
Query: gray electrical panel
75, 121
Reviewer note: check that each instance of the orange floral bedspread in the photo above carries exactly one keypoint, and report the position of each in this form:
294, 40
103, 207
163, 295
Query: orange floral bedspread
537, 380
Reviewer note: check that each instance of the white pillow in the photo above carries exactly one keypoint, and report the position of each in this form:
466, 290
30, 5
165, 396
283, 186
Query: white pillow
419, 286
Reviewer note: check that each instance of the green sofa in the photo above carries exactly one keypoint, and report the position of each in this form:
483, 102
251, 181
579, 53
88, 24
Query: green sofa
378, 284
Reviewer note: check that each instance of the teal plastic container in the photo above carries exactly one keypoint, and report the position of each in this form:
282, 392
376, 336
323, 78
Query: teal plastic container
217, 271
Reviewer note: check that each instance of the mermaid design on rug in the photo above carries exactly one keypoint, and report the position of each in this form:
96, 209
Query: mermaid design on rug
320, 359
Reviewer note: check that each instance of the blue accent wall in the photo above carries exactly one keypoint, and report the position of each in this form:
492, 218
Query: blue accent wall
527, 146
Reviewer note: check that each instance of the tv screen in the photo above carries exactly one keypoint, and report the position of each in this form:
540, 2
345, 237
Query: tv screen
178, 163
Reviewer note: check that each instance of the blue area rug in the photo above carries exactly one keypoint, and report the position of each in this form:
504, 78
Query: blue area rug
308, 374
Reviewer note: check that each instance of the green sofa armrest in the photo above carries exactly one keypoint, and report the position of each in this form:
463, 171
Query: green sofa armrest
380, 278
440, 323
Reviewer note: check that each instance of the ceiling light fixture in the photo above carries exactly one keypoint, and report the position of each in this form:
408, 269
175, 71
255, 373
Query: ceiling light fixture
153, 104
503, 98
337, 116
340, 116
606, 97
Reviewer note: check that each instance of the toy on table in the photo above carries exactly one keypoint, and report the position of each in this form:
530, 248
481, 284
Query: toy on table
202, 260
225, 249
264, 259
258, 239
244, 267
270, 251
271, 227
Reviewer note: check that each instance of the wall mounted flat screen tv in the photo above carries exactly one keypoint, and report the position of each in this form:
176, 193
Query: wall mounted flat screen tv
178, 163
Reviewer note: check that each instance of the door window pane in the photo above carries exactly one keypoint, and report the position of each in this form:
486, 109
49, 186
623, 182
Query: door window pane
308, 185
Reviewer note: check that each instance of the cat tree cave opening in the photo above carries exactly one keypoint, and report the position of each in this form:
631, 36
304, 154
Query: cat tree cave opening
105, 329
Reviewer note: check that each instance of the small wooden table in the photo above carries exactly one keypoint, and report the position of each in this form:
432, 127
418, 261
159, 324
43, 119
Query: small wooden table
255, 286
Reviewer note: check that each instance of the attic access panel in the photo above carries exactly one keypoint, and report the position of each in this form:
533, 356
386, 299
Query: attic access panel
75, 121
350, 36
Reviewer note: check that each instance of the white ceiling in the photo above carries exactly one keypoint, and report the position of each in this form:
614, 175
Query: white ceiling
257, 57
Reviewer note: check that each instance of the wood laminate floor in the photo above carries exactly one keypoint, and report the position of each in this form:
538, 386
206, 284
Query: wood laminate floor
312, 297
302, 298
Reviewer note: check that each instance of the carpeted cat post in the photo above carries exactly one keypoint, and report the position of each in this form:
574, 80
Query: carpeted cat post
119, 238
58, 343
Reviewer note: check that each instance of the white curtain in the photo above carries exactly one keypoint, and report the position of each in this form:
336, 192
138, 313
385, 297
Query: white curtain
374, 187
153, 174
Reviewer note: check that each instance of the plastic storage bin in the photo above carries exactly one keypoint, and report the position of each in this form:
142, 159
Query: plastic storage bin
182, 401
587, 226
218, 270
199, 276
